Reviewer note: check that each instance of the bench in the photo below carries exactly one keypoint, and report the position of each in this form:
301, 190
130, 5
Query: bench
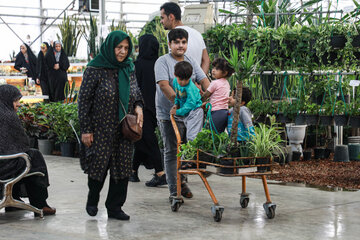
7, 198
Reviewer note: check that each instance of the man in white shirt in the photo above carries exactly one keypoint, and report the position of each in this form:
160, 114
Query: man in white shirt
170, 19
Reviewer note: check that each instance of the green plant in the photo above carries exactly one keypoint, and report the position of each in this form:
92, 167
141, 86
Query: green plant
62, 115
70, 33
266, 141
155, 28
90, 36
71, 94
354, 108
340, 108
312, 109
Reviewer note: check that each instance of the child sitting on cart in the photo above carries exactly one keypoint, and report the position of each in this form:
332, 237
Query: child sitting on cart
245, 128
218, 92
187, 100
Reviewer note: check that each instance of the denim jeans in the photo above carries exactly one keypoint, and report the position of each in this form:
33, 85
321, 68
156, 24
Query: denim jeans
170, 144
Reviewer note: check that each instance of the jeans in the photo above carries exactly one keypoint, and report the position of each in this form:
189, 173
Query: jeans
170, 150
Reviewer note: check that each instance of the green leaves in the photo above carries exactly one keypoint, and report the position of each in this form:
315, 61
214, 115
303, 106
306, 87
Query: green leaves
70, 34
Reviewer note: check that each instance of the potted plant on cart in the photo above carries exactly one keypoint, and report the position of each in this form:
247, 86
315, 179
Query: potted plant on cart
266, 143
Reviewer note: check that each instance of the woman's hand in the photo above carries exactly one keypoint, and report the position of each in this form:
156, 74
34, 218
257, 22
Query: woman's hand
87, 139
56, 66
37, 81
173, 110
139, 115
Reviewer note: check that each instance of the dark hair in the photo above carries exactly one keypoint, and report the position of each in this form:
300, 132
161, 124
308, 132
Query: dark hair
223, 65
246, 95
177, 33
172, 8
183, 70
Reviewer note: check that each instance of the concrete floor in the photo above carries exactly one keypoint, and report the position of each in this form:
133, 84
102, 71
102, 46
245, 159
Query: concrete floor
301, 213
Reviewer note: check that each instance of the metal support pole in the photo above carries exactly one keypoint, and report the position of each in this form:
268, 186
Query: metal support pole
11, 29
102, 19
72, 2
41, 21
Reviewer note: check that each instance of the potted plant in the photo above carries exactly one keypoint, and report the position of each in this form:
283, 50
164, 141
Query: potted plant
45, 122
27, 115
325, 114
266, 143
340, 113
354, 111
63, 114
312, 113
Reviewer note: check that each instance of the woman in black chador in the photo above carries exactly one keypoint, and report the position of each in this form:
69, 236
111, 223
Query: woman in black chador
57, 63
26, 59
14, 140
147, 149
41, 70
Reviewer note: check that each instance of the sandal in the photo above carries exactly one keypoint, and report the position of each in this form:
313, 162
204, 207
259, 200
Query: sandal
185, 191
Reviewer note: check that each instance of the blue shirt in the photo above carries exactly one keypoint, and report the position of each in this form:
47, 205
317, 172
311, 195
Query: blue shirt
187, 97
245, 127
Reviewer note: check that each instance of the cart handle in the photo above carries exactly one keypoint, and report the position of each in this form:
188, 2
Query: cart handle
176, 130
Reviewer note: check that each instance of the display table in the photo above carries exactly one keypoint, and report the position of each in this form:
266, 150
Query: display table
34, 98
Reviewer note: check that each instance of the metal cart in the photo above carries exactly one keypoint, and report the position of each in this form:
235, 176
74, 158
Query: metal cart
217, 209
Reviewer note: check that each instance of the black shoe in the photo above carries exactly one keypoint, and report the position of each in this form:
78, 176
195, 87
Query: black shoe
118, 214
91, 210
134, 177
156, 181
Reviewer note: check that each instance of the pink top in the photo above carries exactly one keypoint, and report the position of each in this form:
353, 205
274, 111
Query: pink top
220, 90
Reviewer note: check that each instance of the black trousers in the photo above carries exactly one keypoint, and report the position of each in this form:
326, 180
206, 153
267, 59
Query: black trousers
147, 149
116, 196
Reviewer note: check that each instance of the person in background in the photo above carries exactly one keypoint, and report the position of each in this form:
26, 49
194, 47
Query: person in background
147, 149
170, 14
108, 92
245, 127
57, 64
41, 69
219, 91
13, 139
26, 61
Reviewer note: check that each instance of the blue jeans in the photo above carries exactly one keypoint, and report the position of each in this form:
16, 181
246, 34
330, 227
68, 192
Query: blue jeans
170, 150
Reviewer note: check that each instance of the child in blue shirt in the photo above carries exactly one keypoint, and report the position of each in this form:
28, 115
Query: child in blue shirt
245, 127
187, 100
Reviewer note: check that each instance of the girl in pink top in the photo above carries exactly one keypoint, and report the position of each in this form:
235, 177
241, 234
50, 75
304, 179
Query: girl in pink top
218, 91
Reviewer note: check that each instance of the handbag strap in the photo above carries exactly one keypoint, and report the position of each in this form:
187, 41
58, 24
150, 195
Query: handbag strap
122, 105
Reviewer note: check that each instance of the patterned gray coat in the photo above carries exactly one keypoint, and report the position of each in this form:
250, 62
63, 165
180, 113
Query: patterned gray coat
99, 114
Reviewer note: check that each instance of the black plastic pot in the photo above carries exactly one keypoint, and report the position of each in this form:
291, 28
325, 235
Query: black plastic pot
300, 119
312, 119
227, 162
67, 149
338, 41
206, 157
281, 118
319, 153
260, 161
326, 120
341, 153
296, 156
354, 121
340, 120
327, 153
307, 155
356, 41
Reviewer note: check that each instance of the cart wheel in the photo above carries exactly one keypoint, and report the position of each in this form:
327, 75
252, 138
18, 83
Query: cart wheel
217, 216
244, 202
271, 212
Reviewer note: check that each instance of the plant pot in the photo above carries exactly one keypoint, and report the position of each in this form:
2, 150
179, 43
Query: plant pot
227, 162
300, 119
281, 118
295, 133
260, 161
354, 121
296, 156
319, 153
326, 120
341, 153
307, 155
356, 41
327, 153
46, 146
340, 120
311, 119
338, 41
354, 151
67, 149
